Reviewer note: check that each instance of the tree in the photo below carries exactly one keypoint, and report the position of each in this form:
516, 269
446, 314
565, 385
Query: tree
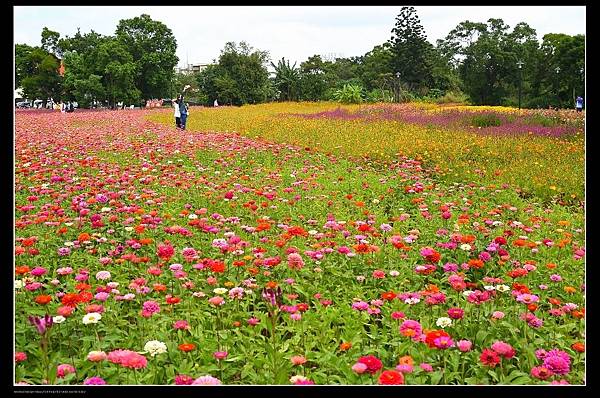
411, 53
152, 46
118, 73
312, 79
23, 63
50, 42
286, 80
42, 79
240, 76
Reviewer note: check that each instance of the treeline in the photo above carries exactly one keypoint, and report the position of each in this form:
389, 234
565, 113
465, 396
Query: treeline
134, 64
481, 63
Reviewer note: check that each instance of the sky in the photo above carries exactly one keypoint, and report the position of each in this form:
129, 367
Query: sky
293, 32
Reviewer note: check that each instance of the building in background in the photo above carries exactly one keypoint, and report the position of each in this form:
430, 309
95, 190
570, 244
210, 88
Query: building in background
191, 68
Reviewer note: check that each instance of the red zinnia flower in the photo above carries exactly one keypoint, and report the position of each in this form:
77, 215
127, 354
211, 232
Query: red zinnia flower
70, 299
373, 363
434, 334
43, 299
489, 358
391, 377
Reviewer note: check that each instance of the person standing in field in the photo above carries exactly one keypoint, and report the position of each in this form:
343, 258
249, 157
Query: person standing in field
579, 104
183, 110
177, 114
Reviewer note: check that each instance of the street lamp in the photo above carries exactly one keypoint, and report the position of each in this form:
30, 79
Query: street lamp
557, 70
397, 87
520, 65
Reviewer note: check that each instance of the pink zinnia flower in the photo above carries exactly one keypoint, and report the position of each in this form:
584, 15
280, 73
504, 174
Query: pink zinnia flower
63, 370
456, 313
541, 372
464, 345
295, 261
216, 301
206, 381
359, 368
426, 367
503, 349
94, 381
412, 329
177, 325
183, 380
298, 360
220, 355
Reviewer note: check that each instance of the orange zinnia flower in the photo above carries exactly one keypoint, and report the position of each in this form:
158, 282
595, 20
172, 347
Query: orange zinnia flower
406, 360
345, 346
43, 299
187, 347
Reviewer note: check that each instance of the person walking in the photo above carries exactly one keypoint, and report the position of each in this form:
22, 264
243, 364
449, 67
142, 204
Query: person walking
579, 104
177, 114
183, 110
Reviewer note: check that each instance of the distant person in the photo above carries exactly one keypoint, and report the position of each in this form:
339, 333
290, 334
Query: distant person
216, 103
177, 114
183, 110
579, 104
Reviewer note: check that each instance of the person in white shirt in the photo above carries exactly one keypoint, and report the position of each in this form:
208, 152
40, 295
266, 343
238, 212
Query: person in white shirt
216, 103
177, 114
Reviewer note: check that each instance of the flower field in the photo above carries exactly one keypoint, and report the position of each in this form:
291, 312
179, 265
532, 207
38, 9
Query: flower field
300, 244
539, 152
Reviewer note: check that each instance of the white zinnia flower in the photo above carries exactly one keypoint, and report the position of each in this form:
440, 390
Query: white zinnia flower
155, 347
92, 317
19, 284
443, 322
58, 319
502, 288
465, 246
220, 290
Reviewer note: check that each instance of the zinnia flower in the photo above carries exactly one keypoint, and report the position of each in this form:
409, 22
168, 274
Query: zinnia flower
206, 381
94, 381
372, 362
391, 377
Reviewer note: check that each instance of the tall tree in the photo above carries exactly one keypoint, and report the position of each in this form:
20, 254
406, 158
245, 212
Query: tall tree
118, 73
286, 80
312, 79
42, 80
50, 42
152, 46
411, 51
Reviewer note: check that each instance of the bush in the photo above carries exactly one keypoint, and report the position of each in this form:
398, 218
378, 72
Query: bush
380, 96
453, 97
349, 94
486, 120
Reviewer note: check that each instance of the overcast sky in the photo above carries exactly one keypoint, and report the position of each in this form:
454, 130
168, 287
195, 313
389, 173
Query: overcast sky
291, 32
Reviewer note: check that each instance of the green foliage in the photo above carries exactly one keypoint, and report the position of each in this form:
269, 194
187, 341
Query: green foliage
286, 80
38, 74
240, 76
485, 120
453, 97
152, 46
349, 94
411, 52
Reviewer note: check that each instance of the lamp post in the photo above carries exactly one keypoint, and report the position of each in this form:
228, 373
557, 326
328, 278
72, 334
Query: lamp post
397, 87
520, 65
557, 70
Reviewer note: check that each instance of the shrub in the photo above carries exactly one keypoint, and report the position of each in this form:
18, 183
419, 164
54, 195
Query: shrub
349, 94
485, 120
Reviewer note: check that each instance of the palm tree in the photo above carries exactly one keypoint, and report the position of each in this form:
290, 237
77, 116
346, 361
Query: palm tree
287, 79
